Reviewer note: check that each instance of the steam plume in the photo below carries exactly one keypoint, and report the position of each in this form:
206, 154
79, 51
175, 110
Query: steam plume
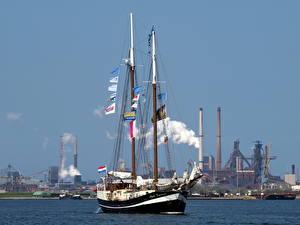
70, 171
176, 131
68, 138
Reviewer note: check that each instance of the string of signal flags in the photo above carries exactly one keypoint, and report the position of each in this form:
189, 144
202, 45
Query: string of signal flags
129, 116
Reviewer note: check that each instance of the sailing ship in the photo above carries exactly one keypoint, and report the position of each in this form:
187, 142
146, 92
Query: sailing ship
126, 192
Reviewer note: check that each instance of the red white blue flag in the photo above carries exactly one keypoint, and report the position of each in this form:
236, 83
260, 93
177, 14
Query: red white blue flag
102, 169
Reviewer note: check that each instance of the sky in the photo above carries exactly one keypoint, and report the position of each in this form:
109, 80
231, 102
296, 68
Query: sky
56, 58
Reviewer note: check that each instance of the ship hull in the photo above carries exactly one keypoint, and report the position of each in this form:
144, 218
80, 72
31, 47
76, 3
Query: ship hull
155, 203
279, 197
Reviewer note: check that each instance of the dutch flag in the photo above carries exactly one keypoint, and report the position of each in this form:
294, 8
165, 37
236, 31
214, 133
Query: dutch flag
102, 169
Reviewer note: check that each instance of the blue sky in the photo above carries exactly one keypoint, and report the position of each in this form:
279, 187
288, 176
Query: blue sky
56, 57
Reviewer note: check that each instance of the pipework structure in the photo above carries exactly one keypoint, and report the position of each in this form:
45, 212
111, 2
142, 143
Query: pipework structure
236, 153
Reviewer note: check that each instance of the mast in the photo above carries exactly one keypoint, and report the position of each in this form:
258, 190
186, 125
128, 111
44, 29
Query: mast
155, 172
132, 70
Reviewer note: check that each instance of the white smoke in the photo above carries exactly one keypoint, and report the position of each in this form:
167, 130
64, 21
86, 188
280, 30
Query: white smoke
176, 131
70, 171
68, 138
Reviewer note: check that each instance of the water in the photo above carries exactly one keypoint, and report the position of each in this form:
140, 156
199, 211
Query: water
75, 212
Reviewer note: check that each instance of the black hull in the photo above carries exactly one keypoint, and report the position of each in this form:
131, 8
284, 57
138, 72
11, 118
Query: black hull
155, 203
280, 197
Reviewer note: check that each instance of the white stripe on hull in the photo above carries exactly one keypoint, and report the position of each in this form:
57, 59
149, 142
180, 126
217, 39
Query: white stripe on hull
172, 213
172, 197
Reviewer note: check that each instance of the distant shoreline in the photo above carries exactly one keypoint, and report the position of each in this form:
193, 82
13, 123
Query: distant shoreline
222, 198
226, 198
34, 198
30, 197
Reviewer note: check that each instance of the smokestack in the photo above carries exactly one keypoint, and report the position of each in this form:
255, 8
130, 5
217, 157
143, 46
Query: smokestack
61, 155
293, 169
218, 149
201, 138
75, 151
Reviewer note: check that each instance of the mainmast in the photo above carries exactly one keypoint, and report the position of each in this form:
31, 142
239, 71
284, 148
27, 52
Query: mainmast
132, 70
154, 79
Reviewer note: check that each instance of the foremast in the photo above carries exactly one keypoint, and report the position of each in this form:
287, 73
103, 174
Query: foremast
154, 80
131, 74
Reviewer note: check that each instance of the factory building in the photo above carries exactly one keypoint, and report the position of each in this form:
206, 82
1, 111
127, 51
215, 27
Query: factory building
291, 178
77, 180
53, 175
208, 163
239, 170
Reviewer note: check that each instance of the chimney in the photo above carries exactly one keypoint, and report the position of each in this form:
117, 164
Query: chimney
201, 138
61, 155
75, 151
293, 169
218, 149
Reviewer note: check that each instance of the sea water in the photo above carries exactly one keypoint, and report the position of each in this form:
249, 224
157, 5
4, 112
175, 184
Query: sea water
75, 212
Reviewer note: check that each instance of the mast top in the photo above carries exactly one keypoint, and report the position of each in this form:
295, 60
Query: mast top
154, 79
131, 52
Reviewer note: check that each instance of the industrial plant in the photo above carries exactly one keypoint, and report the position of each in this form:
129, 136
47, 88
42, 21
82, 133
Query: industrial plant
241, 170
55, 178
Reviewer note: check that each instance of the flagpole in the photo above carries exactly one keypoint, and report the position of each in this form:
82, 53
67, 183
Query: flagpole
132, 69
105, 176
155, 157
